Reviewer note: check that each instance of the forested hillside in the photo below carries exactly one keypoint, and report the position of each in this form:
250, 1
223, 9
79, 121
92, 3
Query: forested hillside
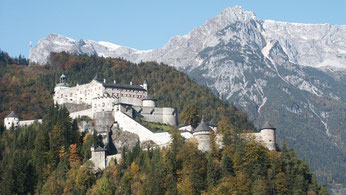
29, 90
51, 159
46, 158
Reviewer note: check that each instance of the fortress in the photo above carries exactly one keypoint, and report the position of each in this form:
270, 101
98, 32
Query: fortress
125, 107
99, 96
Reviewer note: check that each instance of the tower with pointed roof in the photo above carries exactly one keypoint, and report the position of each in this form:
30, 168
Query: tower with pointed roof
61, 85
202, 134
12, 120
268, 135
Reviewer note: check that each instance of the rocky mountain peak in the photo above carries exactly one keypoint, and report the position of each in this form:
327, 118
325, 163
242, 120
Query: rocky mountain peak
237, 13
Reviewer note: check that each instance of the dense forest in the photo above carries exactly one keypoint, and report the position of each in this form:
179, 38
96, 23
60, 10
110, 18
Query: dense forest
51, 158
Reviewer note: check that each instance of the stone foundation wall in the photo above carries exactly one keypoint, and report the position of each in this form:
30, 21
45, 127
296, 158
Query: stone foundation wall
103, 120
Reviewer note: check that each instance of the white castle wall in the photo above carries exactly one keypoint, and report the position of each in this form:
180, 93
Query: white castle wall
11, 121
186, 134
87, 92
104, 103
148, 103
127, 96
203, 138
126, 123
158, 115
99, 159
88, 112
28, 122
78, 94
186, 128
265, 137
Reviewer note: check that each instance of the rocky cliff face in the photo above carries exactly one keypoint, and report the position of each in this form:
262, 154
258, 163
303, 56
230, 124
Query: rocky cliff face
290, 74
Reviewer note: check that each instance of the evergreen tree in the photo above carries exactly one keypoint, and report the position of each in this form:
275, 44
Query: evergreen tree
190, 115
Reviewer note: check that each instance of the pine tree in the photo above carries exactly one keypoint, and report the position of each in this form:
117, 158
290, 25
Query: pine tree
213, 172
226, 165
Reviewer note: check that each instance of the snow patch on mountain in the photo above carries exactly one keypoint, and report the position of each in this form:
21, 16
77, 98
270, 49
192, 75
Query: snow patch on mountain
109, 45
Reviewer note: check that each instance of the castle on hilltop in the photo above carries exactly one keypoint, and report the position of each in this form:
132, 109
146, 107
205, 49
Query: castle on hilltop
125, 107
100, 96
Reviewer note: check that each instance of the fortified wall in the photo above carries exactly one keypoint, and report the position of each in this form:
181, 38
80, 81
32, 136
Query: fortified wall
12, 120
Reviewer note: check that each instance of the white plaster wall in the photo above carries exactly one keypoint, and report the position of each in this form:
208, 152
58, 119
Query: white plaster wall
78, 94
130, 100
186, 135
170, 116
99, 159
28, 122
186, 128
102, 104
87, 92
11, 121
266, 137
149, 103
203, 138
126, 123
81, 113
158, 115
128, 96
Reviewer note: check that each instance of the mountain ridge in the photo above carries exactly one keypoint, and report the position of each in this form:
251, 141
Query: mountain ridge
227, 16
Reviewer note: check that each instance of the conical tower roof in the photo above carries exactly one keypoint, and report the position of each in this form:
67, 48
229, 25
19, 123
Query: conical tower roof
203, 126
267, 125
13, 115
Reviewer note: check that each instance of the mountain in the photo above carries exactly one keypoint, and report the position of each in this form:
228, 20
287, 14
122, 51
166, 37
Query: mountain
291, 74
59, 43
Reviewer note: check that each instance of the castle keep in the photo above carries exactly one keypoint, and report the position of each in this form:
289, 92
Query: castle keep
98, 96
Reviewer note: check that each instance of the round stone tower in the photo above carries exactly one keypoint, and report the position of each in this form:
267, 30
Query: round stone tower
11, 120
149, 101
268, 135
202, 134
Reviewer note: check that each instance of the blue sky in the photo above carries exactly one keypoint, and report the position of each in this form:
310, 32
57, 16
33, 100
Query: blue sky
140, 24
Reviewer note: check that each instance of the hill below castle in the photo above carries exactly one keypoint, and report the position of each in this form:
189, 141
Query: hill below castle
47, 158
